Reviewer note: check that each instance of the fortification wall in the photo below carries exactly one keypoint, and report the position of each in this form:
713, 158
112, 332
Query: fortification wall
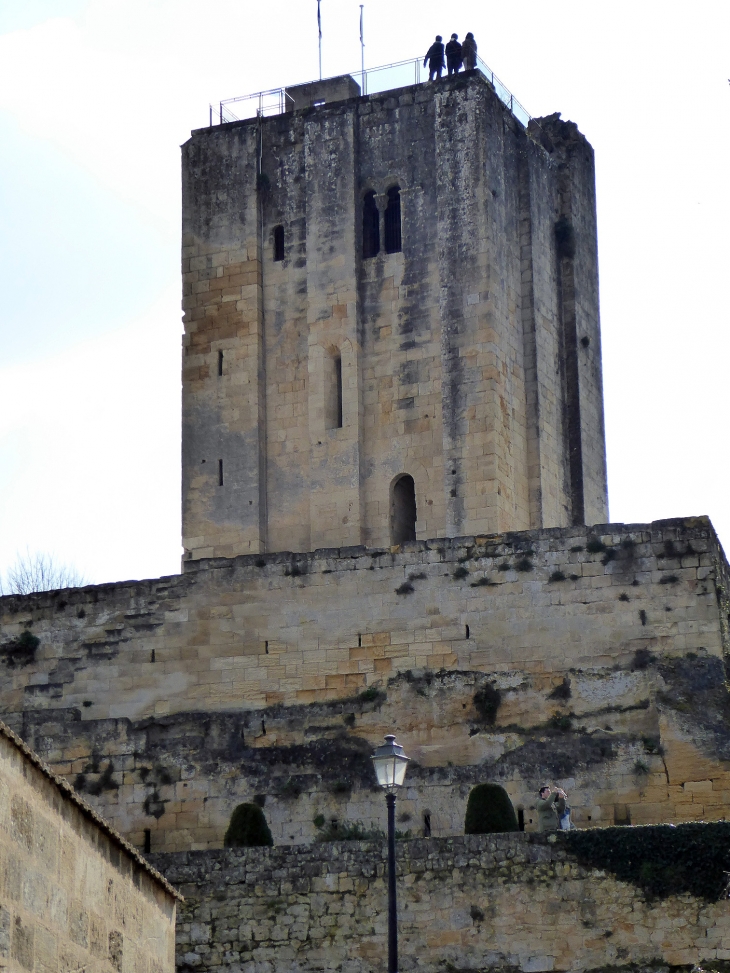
72, 897
502, 902
169, 702
285, 629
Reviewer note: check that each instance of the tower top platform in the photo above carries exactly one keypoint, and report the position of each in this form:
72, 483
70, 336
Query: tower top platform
386, 77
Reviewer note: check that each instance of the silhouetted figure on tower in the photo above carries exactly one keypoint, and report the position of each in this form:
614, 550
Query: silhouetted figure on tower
435, 58
469, 52
453, 54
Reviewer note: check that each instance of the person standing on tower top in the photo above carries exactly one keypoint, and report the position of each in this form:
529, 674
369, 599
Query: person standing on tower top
435, 58
469, 52
453, 54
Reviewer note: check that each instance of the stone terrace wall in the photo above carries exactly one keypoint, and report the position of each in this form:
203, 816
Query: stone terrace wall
167, 724
510, 902
286, 629
71, 898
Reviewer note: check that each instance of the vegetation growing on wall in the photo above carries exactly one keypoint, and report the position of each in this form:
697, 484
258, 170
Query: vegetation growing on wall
487, 700
662, 860
20, 651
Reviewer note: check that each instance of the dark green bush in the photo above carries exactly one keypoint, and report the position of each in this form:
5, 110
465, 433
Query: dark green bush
561, 721
248, 828
489, 811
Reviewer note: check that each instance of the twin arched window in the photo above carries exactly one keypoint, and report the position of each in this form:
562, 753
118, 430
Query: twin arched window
392, 239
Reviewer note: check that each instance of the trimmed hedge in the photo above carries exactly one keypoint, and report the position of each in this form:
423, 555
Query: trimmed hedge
662, 860
248, 828
489, 811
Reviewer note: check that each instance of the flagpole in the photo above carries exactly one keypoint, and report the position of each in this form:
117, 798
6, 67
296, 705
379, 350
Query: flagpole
319, 26
362, 54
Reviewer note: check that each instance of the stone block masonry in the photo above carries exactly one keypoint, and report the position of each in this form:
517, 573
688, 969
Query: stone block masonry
499, 902
284, 628
73, 895
468, 359
271, 677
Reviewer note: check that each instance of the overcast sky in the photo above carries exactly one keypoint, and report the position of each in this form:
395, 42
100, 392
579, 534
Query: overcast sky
96, 97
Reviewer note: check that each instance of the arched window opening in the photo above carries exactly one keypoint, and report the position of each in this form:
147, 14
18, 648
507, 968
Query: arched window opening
278, 243
333, 392
392, 221
403, 510
370, 226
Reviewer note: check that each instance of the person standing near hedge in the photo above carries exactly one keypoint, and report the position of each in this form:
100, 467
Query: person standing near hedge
550, 807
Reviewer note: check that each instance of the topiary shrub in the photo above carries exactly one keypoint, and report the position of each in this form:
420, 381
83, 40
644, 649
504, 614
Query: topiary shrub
489, 811
248, 828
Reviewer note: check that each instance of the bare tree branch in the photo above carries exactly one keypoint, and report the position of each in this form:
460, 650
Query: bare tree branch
39, 572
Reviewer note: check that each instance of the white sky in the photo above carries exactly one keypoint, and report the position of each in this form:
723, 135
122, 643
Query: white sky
96, 97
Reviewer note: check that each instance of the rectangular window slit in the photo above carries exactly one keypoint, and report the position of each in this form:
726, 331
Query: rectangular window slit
220, 362
147, 841
220, 472
338, 387
278, 243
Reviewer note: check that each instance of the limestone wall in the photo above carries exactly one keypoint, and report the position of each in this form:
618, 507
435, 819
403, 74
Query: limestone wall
169, 702
452, 350
283, 629
71, 896
507, 902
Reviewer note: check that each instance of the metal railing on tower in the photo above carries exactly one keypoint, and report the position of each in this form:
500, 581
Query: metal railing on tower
372, 81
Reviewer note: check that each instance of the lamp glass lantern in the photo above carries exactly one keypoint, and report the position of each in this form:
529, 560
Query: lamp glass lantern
390, 764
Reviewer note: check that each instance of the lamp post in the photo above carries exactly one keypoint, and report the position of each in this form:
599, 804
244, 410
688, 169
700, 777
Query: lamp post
390, 768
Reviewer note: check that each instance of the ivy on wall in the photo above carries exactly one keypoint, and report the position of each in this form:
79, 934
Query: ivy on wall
662, 860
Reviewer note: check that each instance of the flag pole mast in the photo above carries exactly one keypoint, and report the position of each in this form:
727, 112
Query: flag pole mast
319, 27
362, 54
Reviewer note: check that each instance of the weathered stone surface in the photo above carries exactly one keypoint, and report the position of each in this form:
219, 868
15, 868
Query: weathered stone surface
169, 702
504, 902
469, 360
72, 897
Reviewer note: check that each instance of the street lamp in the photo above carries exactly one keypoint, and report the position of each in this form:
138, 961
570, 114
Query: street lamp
390, 768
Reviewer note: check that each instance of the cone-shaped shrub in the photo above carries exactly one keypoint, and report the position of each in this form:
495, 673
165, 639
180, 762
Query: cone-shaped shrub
489, 810
248, 828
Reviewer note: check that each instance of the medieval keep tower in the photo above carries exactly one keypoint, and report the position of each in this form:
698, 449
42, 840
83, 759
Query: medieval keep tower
391, 324
394, 518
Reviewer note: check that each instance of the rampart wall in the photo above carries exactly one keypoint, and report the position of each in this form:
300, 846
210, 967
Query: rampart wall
169, 702
288, 629
501, 902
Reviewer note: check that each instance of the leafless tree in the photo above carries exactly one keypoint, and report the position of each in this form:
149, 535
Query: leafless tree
39, 572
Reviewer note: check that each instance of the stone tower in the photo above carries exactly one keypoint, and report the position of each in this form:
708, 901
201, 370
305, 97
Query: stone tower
391, 323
